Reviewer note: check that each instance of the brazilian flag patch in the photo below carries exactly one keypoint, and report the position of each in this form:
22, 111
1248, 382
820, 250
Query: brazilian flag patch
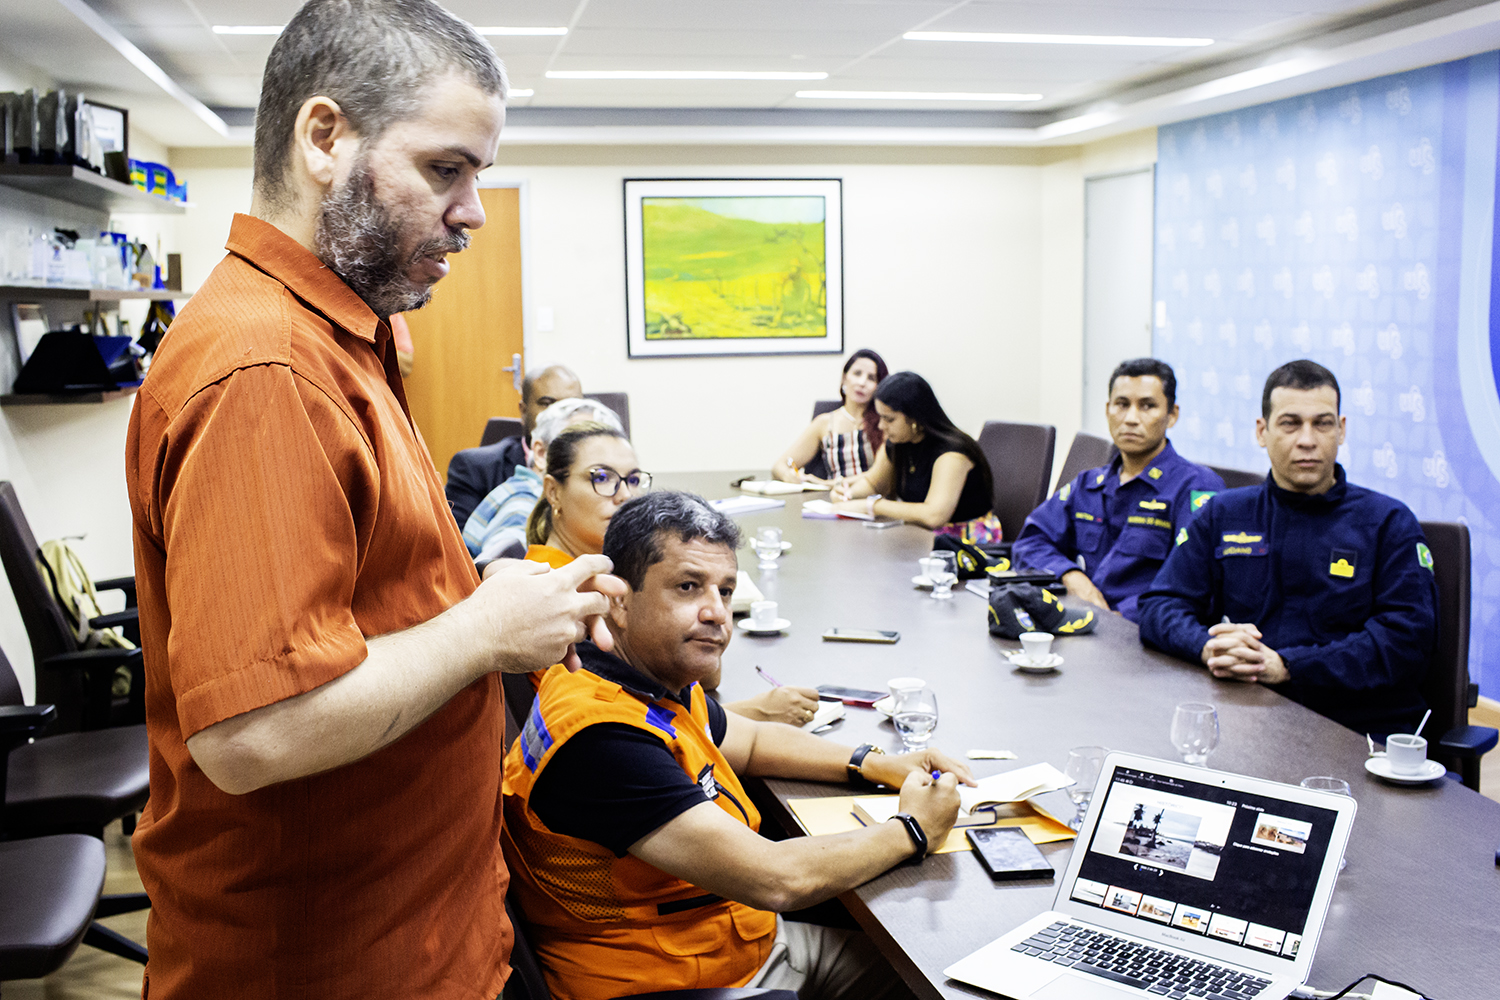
1198, 498
1424, 556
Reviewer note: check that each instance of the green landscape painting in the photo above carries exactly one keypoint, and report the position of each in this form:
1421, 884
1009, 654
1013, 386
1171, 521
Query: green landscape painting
721, 268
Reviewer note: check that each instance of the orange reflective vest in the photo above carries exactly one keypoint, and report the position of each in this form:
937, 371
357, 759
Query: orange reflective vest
603, 924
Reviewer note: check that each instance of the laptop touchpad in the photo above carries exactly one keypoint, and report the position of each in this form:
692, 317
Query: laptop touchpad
1071, 987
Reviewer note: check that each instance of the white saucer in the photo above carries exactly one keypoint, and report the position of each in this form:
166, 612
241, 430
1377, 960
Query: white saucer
921, 583
785, 546
1023, 663
748, 625
1381, 768
885, 706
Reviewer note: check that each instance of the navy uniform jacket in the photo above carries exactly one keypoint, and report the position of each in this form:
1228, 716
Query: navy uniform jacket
1123, 533
1339, 584
474, 472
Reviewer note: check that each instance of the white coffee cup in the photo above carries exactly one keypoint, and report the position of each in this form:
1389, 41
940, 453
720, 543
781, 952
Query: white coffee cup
899, 684
1406, 754
1037, 646
763, 614
924, 565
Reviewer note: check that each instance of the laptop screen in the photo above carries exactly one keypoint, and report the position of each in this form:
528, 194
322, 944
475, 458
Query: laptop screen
1233, 866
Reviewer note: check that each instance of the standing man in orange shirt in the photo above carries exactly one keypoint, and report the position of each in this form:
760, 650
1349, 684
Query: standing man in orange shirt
325, 719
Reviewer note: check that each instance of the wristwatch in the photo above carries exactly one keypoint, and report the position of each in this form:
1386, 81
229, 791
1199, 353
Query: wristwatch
915, 832
856, 776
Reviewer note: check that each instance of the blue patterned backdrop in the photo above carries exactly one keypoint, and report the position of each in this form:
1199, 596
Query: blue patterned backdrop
1354, 227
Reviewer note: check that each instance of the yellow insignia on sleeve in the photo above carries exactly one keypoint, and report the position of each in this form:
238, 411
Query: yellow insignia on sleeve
1242, 537
1154, 473
1341, 568
1099, 480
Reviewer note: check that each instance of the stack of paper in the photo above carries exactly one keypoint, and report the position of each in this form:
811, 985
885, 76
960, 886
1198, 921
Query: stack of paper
828, 711
824, 509
745, 505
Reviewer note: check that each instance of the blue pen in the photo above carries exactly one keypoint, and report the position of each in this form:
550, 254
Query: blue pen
936, 775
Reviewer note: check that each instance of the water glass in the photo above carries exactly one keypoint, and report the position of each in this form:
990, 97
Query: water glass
942, 570
768, 546
1337, 786
1085, 764
915, 714
1195, 731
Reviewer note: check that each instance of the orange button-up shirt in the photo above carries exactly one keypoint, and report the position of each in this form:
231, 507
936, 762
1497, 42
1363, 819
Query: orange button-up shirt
286, 509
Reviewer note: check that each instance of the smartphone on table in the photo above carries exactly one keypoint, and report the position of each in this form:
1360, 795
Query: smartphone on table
1008, 854
860, 635
857, 697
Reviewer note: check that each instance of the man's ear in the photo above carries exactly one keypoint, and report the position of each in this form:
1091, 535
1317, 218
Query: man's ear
618, 612
1172, 416
321, 138
1260, 431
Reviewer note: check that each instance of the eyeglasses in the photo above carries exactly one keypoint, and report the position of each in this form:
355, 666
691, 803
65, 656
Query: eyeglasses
606, 481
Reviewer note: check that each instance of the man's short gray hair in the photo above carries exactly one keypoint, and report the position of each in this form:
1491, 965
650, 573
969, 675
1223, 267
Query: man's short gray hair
376, 58
566, 412
633, 539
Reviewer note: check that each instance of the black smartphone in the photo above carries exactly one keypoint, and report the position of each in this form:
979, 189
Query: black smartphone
860, 635
849, 696
1007, 853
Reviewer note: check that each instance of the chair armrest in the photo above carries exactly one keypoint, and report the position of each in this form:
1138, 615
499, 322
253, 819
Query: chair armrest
1469, 741
25, 719
129, 616
89, 660
125, 583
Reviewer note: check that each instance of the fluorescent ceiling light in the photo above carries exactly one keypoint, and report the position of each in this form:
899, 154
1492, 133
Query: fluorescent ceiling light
522, 31
992, 36
248, 29
910, 95
521, 92
675, 74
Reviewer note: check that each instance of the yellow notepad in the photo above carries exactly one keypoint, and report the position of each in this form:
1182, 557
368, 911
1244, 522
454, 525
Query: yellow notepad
835, 814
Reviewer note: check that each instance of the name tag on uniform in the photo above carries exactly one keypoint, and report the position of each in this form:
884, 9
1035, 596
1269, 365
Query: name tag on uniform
1342, 563
1154, 522
1241, 543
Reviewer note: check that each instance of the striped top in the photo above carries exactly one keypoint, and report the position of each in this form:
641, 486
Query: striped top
847, 455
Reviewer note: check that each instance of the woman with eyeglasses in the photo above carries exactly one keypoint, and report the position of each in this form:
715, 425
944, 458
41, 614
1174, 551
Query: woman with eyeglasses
591, 471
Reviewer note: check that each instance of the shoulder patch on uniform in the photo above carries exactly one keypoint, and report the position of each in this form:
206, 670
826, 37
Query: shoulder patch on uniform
1424, 556
1154, 473
1181, 536
707, 783
1065, 492
1197, 498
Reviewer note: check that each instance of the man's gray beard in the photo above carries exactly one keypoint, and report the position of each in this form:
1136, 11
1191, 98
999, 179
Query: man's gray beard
360, 241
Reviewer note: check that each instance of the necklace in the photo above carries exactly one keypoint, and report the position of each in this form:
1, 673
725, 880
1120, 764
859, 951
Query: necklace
857, 421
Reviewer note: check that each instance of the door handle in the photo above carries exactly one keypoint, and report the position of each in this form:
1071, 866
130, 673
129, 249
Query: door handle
515, 371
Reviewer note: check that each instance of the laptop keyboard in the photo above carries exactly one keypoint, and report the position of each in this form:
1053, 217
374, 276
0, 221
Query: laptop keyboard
1155, 970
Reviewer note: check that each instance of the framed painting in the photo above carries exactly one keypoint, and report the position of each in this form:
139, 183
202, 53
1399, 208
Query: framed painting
722, 267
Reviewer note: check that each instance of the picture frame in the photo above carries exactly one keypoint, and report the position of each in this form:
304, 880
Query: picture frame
718, 267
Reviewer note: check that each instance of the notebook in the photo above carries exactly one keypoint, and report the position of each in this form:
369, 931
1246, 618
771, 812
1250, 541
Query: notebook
1208, 883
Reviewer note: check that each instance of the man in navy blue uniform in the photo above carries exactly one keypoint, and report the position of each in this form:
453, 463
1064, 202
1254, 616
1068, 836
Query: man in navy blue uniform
1309, 583
1106, 533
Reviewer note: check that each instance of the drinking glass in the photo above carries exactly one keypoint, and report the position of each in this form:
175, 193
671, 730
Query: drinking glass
768, 546
1338, 786
915, 713
1195, 731
1084, 766
942, 570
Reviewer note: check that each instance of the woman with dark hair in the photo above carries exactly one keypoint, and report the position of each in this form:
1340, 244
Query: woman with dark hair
929, 471
848, 437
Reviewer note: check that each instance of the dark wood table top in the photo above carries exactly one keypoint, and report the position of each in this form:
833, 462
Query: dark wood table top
1419, 901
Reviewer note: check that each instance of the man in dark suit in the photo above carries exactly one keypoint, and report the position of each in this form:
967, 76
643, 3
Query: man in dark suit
473, 472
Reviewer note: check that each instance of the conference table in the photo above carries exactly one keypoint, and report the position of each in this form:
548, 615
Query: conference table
1419, 901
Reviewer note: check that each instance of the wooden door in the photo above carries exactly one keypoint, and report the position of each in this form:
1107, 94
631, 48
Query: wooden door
468, 333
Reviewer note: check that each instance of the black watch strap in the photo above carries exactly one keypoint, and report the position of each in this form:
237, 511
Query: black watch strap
856, 759
915, 832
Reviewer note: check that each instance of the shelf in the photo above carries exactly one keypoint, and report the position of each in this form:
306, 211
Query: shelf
24, 293
83, 187
45, 399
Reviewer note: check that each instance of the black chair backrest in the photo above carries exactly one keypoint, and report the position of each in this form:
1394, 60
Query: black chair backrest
10, 686
1088, 451
526, 980
823, 406
497, 429
819, 465
1446, 688
1235, 478
617, 401
1020, 457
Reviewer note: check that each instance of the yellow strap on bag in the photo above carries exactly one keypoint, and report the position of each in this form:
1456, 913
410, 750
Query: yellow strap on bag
74, 590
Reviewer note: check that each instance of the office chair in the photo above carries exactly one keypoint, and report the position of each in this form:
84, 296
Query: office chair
617, 401
1088, 451
72, 784
1020, 458
497, 429
77, 681
1235, 478
1447, 688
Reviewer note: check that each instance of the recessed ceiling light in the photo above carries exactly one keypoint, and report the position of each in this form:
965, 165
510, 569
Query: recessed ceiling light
677, 74
248, 29
521, 92
522, 31
910, 95
1021, 39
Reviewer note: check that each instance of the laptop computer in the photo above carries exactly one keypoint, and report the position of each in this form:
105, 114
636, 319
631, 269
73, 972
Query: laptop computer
1184, 883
